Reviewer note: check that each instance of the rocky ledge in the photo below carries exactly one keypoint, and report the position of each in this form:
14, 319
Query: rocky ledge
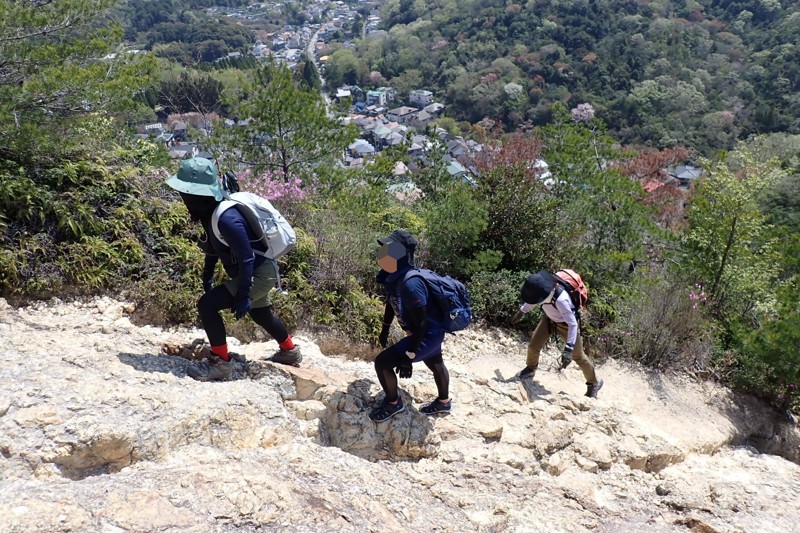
101, 430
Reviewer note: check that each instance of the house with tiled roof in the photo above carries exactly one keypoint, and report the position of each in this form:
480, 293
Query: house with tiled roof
403, 114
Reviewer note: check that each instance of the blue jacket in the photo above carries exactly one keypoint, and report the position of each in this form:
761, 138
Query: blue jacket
238, 259
407, 295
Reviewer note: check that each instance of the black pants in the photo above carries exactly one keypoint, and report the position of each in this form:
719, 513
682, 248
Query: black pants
391, 357
219, 298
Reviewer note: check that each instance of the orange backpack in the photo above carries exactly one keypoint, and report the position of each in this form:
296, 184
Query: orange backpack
572, 283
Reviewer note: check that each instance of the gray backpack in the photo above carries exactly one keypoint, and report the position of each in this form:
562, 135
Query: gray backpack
271, 229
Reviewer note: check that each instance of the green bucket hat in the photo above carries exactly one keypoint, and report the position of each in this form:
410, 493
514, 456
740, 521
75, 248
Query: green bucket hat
197, 176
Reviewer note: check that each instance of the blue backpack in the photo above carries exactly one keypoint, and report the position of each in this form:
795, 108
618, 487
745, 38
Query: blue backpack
451, 298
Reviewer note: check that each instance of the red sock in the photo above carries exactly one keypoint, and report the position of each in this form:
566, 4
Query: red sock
221, 351
288, 344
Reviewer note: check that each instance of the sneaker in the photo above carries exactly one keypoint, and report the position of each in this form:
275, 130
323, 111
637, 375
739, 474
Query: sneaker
527, 372
212, 369
291, 357
593, 388
436, 407
387, 410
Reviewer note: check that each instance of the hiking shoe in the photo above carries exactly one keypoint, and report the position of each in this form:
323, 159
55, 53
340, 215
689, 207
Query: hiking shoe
593, 388
386, 411
287, 357
212, 369
436, 407
527, 372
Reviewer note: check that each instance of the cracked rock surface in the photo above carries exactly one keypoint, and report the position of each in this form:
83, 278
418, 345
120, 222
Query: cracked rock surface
101, 430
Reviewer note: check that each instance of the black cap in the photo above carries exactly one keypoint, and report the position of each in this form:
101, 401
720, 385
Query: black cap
401, 237
537, 287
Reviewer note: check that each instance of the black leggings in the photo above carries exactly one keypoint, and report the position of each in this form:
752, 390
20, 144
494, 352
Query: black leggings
211, 303
388, 359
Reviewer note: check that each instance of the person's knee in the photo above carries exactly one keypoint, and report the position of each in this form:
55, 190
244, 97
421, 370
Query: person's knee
440, 372
582, 360
435, 362
264, 312
203, 304
385, 359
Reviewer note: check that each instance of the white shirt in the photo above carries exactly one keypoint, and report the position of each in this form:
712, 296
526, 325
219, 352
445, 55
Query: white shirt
561, 312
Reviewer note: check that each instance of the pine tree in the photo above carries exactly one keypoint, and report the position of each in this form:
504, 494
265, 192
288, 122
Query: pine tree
289, 128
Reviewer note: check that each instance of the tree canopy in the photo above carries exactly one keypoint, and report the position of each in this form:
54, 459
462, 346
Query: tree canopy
56, 70
702, 74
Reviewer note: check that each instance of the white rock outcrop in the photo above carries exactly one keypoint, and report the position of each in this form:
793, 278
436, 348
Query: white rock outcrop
101, 430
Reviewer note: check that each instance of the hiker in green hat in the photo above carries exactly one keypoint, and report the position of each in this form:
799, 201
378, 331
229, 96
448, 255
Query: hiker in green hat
251, 275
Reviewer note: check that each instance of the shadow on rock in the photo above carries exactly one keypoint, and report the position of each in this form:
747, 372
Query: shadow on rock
170, 364
532, 389
410, 435
774, 433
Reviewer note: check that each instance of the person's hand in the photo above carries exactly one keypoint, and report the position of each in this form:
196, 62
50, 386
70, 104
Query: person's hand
517, 317
566, 357
208, 285
241, 305
405, 369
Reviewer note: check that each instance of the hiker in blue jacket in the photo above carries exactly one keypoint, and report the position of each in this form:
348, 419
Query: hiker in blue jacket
409, 301
251, 276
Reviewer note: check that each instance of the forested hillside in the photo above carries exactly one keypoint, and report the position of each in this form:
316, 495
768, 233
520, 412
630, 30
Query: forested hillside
700, 73
181, 30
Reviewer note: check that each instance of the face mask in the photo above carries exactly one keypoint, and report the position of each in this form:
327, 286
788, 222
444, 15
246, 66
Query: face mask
199, 207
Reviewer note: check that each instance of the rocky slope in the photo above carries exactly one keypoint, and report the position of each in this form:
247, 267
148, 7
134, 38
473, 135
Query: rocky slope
100, 430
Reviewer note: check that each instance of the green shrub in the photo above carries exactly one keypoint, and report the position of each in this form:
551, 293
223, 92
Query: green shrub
659, 322
767, 361
163, 299
521, 219
495, 298
453, 225
325, 281
87, 225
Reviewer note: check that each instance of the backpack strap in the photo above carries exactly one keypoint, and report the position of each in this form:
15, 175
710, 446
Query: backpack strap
414, 272
223, 206
559, 290
249, 217
278, 284
245, 211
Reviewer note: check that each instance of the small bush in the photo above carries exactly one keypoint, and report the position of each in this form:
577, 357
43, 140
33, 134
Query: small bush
662, 324
453, 225
325, 285
495, 298
161, 299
